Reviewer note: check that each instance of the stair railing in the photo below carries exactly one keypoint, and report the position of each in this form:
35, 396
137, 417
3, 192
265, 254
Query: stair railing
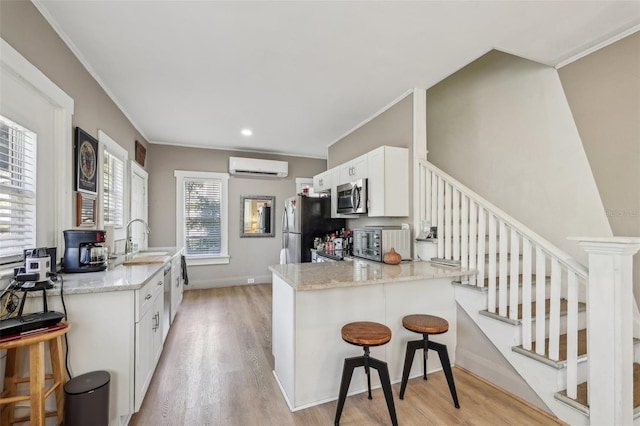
482, 237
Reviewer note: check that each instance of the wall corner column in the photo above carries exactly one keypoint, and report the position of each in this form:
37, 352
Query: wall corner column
610, 328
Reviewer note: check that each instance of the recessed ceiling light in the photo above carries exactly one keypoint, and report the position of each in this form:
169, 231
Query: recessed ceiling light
246, 132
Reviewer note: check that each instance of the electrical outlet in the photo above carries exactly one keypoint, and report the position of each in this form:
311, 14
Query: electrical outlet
250, 280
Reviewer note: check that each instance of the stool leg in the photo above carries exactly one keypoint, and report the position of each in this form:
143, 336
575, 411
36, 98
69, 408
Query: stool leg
446, 366
366, 369
10, 384
57, 370
383, 372
408, 360
425, 355
347, 372
36, 383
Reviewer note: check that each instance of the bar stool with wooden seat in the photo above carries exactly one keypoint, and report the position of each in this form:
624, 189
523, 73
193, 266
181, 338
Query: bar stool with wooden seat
36, 379
366, 334
427, 325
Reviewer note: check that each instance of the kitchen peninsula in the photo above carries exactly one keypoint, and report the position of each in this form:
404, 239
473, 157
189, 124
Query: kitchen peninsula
312, 301
119, 318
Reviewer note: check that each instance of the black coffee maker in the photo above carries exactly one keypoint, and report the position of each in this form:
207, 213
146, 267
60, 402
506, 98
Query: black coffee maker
84, 251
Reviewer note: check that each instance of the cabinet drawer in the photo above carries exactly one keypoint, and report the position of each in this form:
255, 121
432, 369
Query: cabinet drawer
145, 296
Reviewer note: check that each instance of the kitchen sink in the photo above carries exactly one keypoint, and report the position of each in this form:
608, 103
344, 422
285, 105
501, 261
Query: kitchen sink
150, 253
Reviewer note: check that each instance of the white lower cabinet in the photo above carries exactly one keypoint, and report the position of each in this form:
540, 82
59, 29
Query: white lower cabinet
177, 285
148, 334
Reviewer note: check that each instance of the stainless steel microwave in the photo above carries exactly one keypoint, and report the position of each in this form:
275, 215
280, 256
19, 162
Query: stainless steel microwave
352, 197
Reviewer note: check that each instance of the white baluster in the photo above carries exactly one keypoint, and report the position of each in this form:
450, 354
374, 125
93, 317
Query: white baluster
526, 294
473, 238
572, 335
427, 191
554, 311
464, 234
447, 221
440, 217
482, 235
514, 258
540, 301
434, 201
502, 269
456, 224
491, 299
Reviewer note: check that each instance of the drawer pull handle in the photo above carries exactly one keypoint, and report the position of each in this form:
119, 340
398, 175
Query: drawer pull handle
148, 296
160, 282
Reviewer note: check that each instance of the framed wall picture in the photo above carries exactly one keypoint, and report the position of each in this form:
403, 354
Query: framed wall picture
85, 210
86, 155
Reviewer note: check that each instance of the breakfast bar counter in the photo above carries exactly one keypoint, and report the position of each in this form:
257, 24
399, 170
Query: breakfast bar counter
312, 301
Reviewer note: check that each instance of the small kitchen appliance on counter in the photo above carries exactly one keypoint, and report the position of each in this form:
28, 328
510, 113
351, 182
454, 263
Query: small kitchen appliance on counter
372, 242
84, 251
39, 267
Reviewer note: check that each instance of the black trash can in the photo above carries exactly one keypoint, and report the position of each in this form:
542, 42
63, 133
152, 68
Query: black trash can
86, 400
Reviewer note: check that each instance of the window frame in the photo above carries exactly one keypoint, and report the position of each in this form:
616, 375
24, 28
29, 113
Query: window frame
184, 175
115, 149
63, 108
29, 191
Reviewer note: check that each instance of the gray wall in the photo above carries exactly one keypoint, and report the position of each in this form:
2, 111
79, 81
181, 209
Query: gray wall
502, 126
393, 127
603, 90
24, 28
250, 257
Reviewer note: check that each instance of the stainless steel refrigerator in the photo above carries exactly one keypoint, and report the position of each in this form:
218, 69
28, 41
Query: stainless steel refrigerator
303, 219
264, 219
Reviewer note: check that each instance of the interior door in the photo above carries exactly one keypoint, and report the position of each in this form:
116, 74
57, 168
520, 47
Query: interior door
139, 205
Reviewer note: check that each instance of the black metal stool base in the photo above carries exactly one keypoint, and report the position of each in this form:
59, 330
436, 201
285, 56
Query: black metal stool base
425, 344
367, 362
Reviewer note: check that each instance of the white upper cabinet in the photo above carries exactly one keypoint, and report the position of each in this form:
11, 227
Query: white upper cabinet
322, 182
354, 170
387, 171
388, 182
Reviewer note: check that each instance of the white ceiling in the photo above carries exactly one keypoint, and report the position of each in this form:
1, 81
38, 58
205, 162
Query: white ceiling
301, 74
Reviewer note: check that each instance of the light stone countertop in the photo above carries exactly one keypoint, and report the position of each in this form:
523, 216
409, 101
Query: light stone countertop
318, 276
116, 277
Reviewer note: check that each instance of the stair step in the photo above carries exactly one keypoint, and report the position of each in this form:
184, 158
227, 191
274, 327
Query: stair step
533, 280
582, 401
562, 355
563, 310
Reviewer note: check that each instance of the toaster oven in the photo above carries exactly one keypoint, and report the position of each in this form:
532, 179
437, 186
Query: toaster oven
372, 242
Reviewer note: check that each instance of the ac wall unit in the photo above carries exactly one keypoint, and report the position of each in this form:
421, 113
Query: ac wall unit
258, 167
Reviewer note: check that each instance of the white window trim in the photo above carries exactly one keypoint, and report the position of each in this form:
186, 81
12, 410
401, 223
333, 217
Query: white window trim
181, 175
114, 148
14, 62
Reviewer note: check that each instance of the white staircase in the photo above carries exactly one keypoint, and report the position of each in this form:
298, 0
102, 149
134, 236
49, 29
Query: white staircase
516, 267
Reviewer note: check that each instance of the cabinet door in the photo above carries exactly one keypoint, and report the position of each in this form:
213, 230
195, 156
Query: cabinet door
389, 182
158, 310
143, 355
354, 170
322, 182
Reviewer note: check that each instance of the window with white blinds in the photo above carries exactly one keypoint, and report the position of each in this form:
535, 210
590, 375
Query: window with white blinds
18, 190
113, 189
202, 226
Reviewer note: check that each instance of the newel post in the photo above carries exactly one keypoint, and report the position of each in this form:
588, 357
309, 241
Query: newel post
610, 328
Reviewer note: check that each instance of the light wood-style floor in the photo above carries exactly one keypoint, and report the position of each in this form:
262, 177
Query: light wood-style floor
216, 369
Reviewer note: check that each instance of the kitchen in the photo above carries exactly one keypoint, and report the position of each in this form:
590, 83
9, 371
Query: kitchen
249, 258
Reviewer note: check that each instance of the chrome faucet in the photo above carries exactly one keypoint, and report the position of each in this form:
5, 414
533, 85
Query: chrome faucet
128, 245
